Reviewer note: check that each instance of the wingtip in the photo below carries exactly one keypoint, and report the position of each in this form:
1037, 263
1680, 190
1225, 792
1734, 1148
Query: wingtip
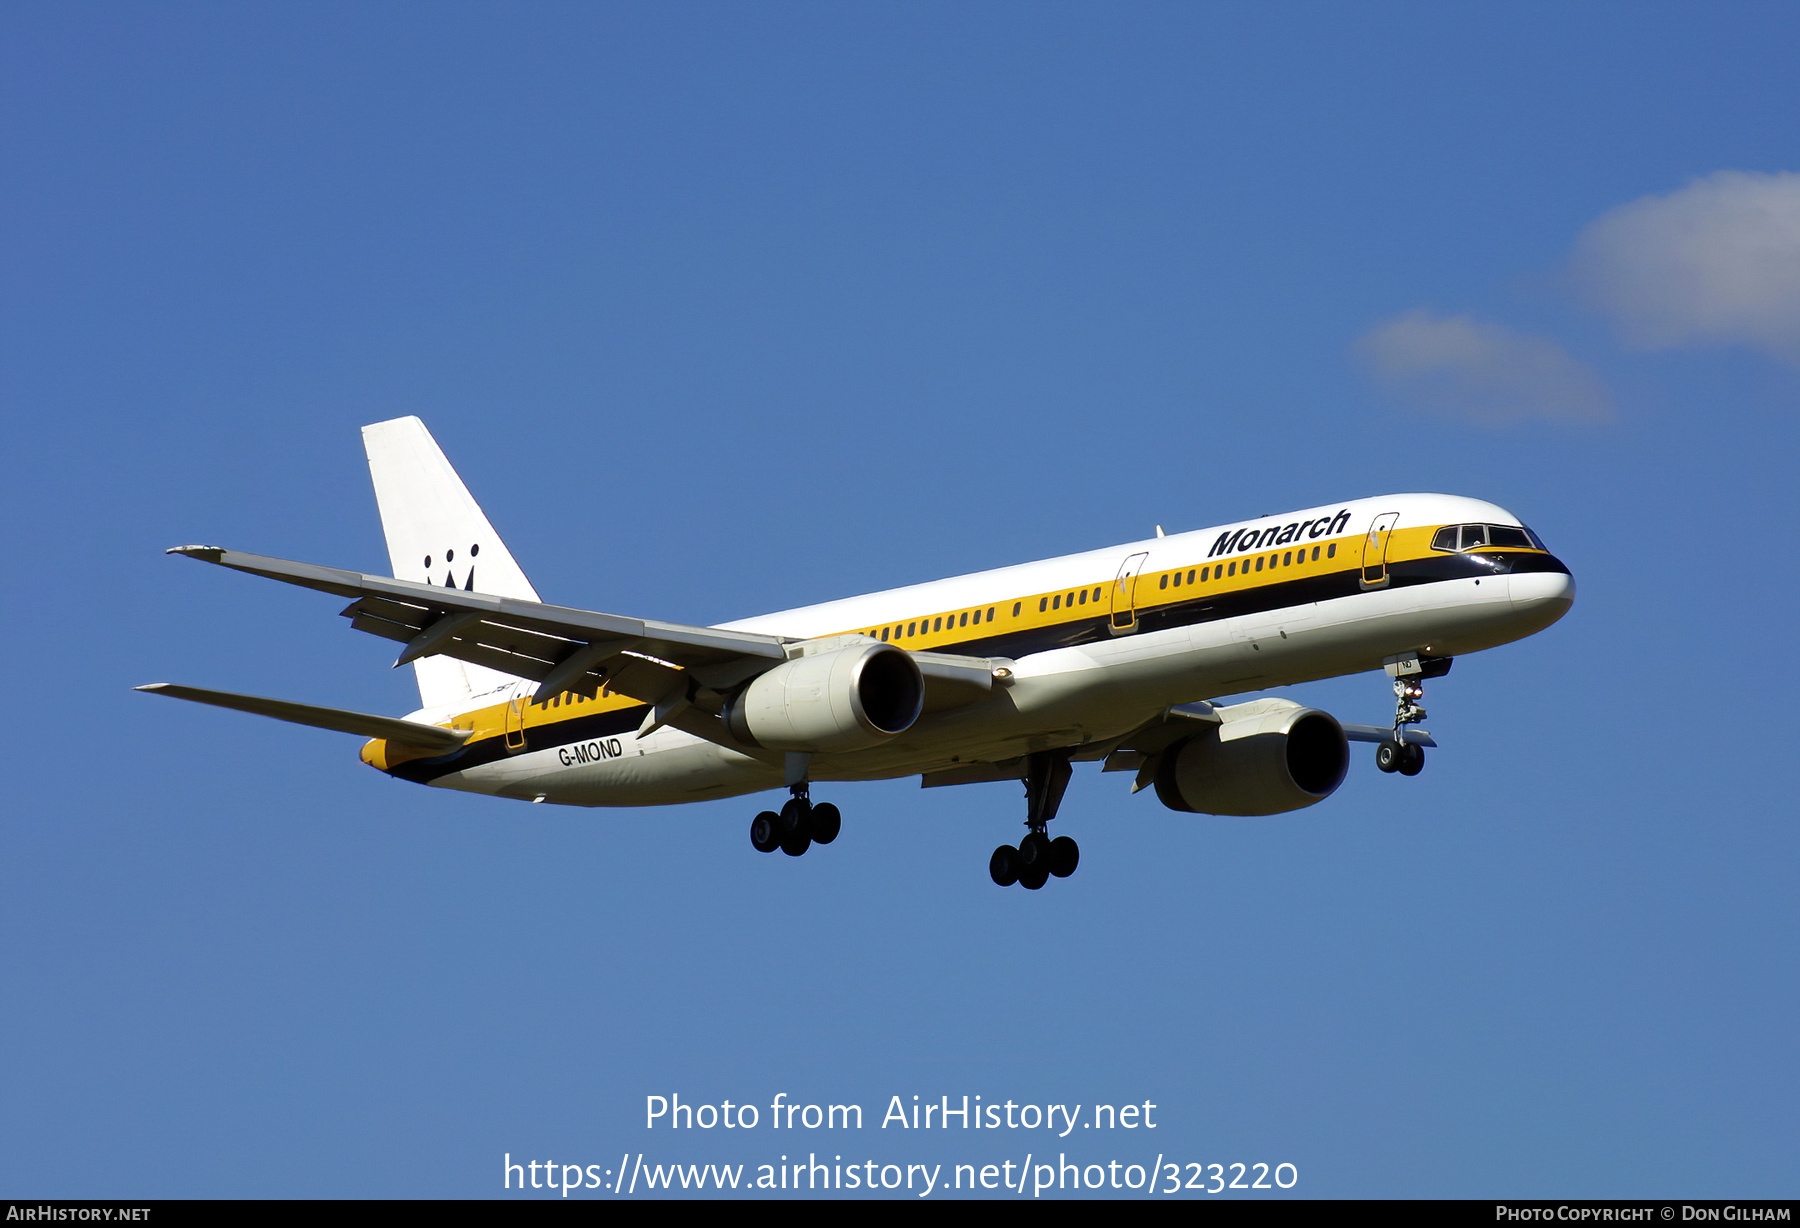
210, 554
152, 687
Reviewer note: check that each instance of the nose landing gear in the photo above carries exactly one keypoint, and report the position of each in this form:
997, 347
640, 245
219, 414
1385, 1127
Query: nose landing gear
1406, 758
1409, 671
1037, 856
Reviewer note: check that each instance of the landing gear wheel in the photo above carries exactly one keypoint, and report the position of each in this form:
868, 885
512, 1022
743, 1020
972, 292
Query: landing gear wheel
1065, 855
1389, 756
1003, 866
1034, 877
1412, 759
793, 817
1034, 854
824, 822
765, 832
796, 844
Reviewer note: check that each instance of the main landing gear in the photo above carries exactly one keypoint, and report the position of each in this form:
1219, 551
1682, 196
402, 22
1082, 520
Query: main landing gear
1037, 856
1409, 673
797, 826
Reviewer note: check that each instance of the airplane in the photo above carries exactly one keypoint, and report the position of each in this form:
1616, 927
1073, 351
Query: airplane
1118, 656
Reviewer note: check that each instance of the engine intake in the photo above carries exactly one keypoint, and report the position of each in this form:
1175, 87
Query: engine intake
1264, 757
845, 699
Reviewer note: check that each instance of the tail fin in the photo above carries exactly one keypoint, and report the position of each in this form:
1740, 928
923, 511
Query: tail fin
437, 534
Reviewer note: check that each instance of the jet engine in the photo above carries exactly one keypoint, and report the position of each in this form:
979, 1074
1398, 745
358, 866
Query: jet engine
1264, 757
845, 699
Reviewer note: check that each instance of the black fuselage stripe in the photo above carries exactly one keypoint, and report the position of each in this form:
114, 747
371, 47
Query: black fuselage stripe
1203, 607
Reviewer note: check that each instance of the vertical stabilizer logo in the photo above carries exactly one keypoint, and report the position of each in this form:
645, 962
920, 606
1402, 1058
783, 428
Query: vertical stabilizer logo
449, 571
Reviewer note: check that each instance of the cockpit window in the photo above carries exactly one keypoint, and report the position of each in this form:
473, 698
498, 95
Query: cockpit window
1472, 536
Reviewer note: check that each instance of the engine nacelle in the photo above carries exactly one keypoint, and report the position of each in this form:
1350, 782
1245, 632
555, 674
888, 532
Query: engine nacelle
1264, 757
841, 700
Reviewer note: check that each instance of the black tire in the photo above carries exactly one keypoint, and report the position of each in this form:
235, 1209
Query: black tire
1412, 759
1065, 855
1033, 878
1003, 866
793, 818
1034, 854
796, 844
824, 823
765, 832
1388, 756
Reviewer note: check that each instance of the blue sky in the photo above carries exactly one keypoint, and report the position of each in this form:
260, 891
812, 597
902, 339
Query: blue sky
724, 309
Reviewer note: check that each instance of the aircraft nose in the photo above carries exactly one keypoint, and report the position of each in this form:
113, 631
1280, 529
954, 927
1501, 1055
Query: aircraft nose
1547, 594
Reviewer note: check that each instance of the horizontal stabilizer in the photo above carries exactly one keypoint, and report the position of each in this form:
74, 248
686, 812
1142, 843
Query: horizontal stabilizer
427, 737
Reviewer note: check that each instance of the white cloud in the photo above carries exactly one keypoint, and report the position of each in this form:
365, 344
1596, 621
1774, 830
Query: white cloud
1483, 373
1716, 262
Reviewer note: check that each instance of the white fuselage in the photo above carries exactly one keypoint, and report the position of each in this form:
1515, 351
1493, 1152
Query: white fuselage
1112, 680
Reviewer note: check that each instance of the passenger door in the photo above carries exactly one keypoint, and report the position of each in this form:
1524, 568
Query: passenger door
1375, 550
515, 718
1124, 593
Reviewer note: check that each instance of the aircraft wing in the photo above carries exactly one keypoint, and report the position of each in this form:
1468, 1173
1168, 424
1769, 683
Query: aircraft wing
666, 665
